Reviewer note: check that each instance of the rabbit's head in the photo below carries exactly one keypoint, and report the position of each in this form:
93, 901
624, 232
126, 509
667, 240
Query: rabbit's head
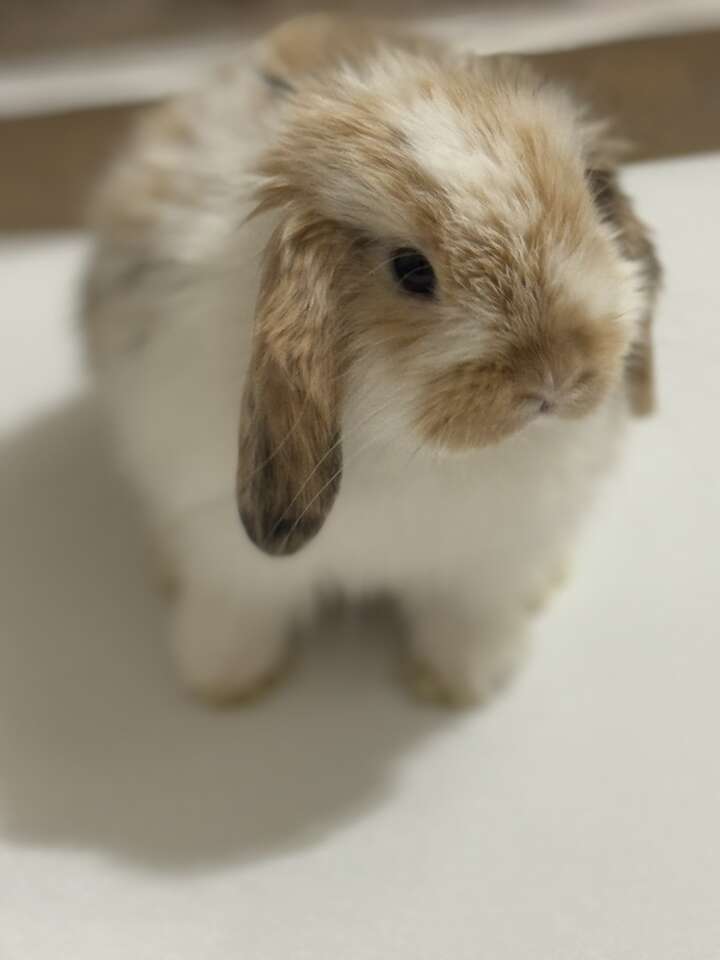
451, 252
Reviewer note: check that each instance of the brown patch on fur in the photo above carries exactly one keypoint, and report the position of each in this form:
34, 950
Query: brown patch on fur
146, 178
352, 158
168, 123
565, 369
290, 461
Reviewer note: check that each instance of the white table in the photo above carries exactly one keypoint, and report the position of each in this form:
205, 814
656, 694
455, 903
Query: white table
577, 819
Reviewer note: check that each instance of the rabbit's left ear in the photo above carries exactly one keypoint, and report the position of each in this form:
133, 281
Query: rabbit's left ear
637, 245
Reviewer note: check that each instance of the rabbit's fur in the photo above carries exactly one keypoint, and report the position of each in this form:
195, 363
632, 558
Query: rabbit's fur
242, 275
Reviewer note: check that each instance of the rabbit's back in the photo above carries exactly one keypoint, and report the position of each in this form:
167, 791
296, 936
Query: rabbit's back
170, 289
169, 214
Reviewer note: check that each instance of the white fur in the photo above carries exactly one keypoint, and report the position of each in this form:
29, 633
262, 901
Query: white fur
465, 541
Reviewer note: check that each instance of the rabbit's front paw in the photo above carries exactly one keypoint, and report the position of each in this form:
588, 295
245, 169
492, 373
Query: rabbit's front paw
456, 669
556, 577
227, 653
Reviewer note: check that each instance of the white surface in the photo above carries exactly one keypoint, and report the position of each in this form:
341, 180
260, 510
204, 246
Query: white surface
137, 73
577, 819
40, 359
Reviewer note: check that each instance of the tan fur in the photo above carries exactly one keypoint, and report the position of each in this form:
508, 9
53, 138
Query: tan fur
127, 201
311, 44
474, 404
290, 454
511, 236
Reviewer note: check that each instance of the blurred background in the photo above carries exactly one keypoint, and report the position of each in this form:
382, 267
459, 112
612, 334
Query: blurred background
73, 72
577, 819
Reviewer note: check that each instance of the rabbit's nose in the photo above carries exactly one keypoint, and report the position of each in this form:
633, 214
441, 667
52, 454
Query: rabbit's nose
561, 381
546, 394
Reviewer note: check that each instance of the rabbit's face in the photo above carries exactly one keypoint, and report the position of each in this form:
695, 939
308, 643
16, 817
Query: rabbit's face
493, 320
439, 239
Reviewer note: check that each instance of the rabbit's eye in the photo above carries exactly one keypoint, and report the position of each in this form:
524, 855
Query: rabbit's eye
413, 271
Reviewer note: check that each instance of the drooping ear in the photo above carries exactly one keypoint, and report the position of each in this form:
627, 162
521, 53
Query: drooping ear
290, 457
637, 245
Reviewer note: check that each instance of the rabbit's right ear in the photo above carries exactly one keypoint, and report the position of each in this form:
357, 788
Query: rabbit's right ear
290, 457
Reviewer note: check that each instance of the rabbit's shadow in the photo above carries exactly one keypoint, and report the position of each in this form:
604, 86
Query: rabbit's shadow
97, 747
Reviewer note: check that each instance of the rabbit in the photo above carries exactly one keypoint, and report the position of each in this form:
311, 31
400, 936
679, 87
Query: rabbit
367, 311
